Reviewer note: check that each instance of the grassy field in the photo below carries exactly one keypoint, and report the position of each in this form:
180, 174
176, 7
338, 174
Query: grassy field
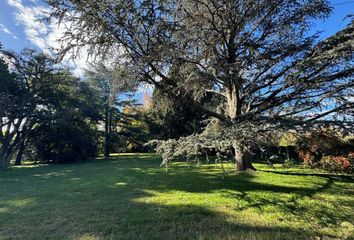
131, 197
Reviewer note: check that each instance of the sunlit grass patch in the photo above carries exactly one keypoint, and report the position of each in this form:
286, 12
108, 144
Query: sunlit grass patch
131, 197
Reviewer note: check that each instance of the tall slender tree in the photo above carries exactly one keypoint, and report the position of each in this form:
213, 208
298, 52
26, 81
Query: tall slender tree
109, 83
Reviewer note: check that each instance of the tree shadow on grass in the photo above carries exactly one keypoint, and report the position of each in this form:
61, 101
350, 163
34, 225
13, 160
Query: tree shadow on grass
130, 219
342, 177
195, 222
130, 199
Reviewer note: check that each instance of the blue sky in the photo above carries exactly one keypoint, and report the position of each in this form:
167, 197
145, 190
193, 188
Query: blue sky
17, 39
18, 28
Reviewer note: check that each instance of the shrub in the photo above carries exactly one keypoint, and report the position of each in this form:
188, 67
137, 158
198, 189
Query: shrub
312, 147
306, 156
337, 163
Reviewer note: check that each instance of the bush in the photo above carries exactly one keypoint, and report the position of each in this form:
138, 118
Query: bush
306, 156
314, 146
337, 163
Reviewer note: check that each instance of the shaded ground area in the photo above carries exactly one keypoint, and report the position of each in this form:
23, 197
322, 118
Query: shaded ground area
131, 197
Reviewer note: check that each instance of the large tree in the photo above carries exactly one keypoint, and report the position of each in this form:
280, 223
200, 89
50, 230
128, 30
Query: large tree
259, 57
68, 130
22, 93
12, 114
34, 94
173, 117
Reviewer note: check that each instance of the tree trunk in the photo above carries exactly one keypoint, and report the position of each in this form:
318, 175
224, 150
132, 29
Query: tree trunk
106, 133
4, 158
243, 164
20, 153
242, 159
233, 102
12, 140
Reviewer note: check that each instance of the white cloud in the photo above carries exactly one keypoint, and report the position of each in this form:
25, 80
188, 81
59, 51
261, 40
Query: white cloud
28, 16
44, 35
7, 31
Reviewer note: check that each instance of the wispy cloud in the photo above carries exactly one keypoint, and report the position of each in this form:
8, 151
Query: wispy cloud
28, 16
45, 35
7, 31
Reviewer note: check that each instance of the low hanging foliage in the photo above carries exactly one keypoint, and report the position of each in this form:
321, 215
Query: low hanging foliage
246, 136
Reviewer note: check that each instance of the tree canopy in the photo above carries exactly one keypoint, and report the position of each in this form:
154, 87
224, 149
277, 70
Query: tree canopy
259, 57
44, 106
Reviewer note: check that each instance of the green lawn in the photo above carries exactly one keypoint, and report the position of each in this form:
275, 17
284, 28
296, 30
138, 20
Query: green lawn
131, 197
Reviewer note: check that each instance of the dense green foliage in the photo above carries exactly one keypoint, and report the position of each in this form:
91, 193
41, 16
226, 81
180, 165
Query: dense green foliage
107, 85
8, 82
130, 197
69, 132
173, 116
45, 112
119, 114
21, 101
69, 139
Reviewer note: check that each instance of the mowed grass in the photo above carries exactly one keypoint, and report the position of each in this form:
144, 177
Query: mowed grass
131, 197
